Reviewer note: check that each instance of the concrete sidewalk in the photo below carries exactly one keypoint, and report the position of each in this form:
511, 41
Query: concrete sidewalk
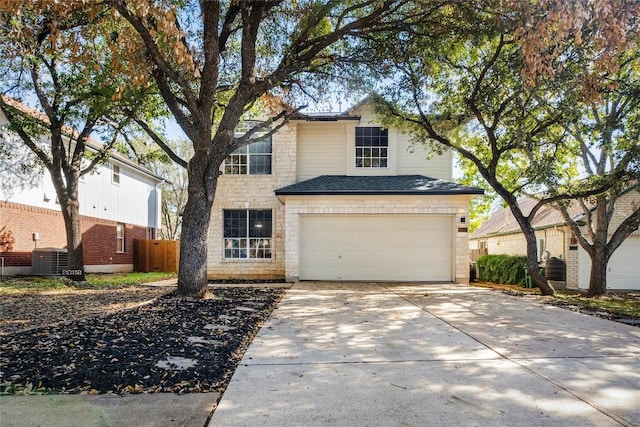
431, 355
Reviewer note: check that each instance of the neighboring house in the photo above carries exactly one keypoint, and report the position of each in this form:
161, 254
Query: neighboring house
119, 202
338, 197
501, 235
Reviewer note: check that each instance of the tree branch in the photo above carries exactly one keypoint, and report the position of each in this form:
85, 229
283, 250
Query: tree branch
156, 138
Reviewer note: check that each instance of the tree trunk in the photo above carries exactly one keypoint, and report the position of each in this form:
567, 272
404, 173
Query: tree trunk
597, 279
532, 263
73, 228
532, 244
192, 275
598, 275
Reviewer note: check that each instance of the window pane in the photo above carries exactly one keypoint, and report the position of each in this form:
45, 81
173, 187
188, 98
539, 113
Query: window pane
241, 150
236, 164
262, 146
235, 223
371, 143
235, 248
260, 223
260, 164
260, 248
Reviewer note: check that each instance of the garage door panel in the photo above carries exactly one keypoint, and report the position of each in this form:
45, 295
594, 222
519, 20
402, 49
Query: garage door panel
376, 247
623, 270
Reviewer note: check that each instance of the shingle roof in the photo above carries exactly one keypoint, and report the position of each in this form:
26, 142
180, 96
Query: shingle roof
376, 185
502, 221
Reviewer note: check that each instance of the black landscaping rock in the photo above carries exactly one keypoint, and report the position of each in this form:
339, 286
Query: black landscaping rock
178, 345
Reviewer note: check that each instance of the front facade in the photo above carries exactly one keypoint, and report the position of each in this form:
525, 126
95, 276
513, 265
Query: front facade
119, 202
338, 197
501, 235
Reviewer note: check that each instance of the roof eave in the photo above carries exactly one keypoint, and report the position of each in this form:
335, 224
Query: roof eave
377, 193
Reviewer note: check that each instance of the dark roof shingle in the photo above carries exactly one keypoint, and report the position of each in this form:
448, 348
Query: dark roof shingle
376, 185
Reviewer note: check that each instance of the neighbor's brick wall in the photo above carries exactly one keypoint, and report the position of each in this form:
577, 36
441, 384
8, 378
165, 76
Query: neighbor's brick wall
99, 236
254, 192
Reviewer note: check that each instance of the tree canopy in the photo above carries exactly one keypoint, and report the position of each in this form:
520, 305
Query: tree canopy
477, 85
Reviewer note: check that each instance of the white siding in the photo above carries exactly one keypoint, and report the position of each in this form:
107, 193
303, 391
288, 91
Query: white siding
136, 200
321, 149
405, 157
415, 159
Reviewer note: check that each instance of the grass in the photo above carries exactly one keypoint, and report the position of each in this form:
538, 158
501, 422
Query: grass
612, 303
622, 303
94, 281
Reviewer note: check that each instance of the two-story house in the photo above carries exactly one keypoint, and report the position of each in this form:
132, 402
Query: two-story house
119, 202
339, 197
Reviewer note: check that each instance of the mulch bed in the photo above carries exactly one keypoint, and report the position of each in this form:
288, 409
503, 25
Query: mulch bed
172, 344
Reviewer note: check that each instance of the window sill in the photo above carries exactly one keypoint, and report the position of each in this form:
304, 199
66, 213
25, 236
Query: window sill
233, 260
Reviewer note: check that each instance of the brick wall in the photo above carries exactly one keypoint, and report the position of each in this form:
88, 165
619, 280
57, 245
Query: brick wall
19, 222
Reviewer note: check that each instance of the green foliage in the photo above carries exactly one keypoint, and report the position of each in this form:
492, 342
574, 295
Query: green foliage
502, 268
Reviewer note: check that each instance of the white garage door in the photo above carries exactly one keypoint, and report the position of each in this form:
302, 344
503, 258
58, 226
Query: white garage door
376, 247
623, 271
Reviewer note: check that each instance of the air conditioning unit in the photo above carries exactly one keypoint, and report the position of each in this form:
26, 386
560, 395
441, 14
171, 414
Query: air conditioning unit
48, 261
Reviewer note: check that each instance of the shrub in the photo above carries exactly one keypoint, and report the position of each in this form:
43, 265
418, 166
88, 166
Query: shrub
506, 269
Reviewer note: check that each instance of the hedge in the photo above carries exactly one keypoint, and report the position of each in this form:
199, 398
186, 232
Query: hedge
502, 269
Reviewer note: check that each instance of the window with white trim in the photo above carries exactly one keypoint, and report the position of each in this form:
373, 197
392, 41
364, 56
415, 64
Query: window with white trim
247, 233
120, 243
115, 175
252, 159
372, 145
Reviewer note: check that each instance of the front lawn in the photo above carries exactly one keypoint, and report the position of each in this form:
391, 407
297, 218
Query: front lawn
612, 305
19, 284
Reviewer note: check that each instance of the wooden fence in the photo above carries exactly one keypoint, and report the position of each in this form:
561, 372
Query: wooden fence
156, 255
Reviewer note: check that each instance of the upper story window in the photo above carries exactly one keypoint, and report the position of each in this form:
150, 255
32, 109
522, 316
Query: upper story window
253, 159
372, 144
115, 174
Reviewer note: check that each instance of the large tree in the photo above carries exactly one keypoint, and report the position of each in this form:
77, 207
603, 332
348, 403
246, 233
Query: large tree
53, 58
603, 141
472, 83
213, 60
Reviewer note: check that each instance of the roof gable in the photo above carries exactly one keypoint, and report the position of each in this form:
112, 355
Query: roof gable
502, 220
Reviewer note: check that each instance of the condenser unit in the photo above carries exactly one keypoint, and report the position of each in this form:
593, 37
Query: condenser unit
48, 261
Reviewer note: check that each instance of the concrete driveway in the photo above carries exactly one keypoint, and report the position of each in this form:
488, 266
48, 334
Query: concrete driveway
369, 354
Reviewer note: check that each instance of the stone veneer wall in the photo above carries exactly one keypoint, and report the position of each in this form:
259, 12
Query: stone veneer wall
254, 192
257, 192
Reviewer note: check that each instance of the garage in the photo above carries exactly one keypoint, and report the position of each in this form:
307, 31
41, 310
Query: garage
398, 247
623, 268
